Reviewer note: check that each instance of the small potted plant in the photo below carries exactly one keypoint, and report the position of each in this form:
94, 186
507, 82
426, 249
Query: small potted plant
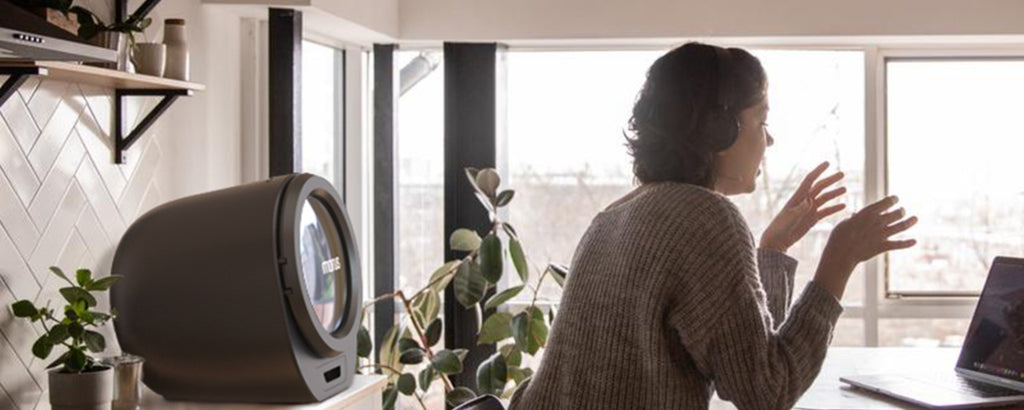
77, 380
56, 12
118, 36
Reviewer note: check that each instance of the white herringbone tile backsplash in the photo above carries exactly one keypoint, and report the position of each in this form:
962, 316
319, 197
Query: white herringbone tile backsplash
62, 202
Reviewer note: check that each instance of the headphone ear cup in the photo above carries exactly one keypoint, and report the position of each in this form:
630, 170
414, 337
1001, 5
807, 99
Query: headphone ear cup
722, 130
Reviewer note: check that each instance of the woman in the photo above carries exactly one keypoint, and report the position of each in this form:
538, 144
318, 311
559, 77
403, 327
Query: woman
668, 298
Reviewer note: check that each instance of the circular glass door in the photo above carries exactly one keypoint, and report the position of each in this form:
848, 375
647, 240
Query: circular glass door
322, 268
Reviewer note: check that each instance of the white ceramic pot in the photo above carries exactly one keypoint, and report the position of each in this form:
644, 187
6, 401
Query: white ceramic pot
81, 391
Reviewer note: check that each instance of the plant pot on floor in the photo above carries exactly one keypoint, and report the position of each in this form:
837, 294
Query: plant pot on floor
81, 391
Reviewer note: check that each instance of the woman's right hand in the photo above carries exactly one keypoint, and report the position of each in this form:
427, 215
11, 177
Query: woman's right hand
860, 237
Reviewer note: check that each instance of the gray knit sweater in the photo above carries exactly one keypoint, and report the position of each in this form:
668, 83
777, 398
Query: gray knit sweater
668, 300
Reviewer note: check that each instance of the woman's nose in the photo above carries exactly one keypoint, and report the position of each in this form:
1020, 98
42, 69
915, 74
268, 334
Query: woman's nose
771, 141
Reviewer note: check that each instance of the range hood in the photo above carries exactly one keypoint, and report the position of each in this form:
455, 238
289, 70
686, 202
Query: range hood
25, 36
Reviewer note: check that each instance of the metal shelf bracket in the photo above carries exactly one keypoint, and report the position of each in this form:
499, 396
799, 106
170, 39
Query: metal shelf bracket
122, 140
16, 77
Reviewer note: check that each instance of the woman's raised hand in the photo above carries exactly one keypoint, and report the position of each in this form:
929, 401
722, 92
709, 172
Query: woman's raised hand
860, 237
803, 210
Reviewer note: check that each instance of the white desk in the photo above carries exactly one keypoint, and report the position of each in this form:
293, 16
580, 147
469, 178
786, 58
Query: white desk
828, 393
365, 394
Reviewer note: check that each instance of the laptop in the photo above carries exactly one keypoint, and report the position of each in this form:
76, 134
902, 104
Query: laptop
990, 370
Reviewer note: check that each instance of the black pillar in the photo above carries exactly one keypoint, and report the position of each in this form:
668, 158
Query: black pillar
470, 125
384, 227
285, 90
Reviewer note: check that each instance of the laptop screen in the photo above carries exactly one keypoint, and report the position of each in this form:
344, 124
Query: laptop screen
995, 340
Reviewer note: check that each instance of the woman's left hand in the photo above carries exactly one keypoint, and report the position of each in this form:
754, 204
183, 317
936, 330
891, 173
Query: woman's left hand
803, 210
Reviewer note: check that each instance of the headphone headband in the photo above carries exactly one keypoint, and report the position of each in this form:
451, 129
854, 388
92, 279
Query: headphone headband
723, 61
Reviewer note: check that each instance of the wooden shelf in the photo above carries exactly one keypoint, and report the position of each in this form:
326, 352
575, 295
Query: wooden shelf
103, 77
124, 85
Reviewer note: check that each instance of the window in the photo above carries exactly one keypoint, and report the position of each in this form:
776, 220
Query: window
567, 158
954, 145
948, 148
566, 154
817, 114
420, 183
323, 112
420, 173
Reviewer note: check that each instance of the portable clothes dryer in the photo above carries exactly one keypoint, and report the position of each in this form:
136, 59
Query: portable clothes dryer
246, 294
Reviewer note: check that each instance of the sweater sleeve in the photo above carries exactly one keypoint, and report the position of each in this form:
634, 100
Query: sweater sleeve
778, 271
752, 363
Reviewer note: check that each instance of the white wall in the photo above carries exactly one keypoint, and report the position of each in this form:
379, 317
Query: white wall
63, 202
508, 20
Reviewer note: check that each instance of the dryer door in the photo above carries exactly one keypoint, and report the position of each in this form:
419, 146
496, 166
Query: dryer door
319, 264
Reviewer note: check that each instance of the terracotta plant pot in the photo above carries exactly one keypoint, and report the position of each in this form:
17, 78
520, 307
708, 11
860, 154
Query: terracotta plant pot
67, 22
81, 391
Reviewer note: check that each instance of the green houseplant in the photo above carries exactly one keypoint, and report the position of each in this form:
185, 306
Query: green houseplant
76, 378
118, 36
413, 340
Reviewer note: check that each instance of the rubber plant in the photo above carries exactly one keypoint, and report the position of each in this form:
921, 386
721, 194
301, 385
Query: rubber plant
73, 327
414, 337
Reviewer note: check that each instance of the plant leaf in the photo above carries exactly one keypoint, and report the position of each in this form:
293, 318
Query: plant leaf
406, 384
435, 278
427, 376
411, 356
492, 375
504, 197
447, 362
24, 308
60, 273
471, 174
458, 396
496, 328
428, 304
59, 360
75, 329
433, 332
94, 341
390, 396
74, 294
464, 240
529, 330
488, 181
503, 297
558, 273
513, 357
490, 258
59, 333
389, 353
42, 347
518, 374
102, 284
510, 230
469, 284
485, 201
407, 343
515, 250
83, 277
364, 345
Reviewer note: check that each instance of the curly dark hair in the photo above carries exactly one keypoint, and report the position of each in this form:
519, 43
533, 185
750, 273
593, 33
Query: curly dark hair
688, 91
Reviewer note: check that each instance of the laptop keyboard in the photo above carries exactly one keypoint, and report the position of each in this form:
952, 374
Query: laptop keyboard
979, 389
